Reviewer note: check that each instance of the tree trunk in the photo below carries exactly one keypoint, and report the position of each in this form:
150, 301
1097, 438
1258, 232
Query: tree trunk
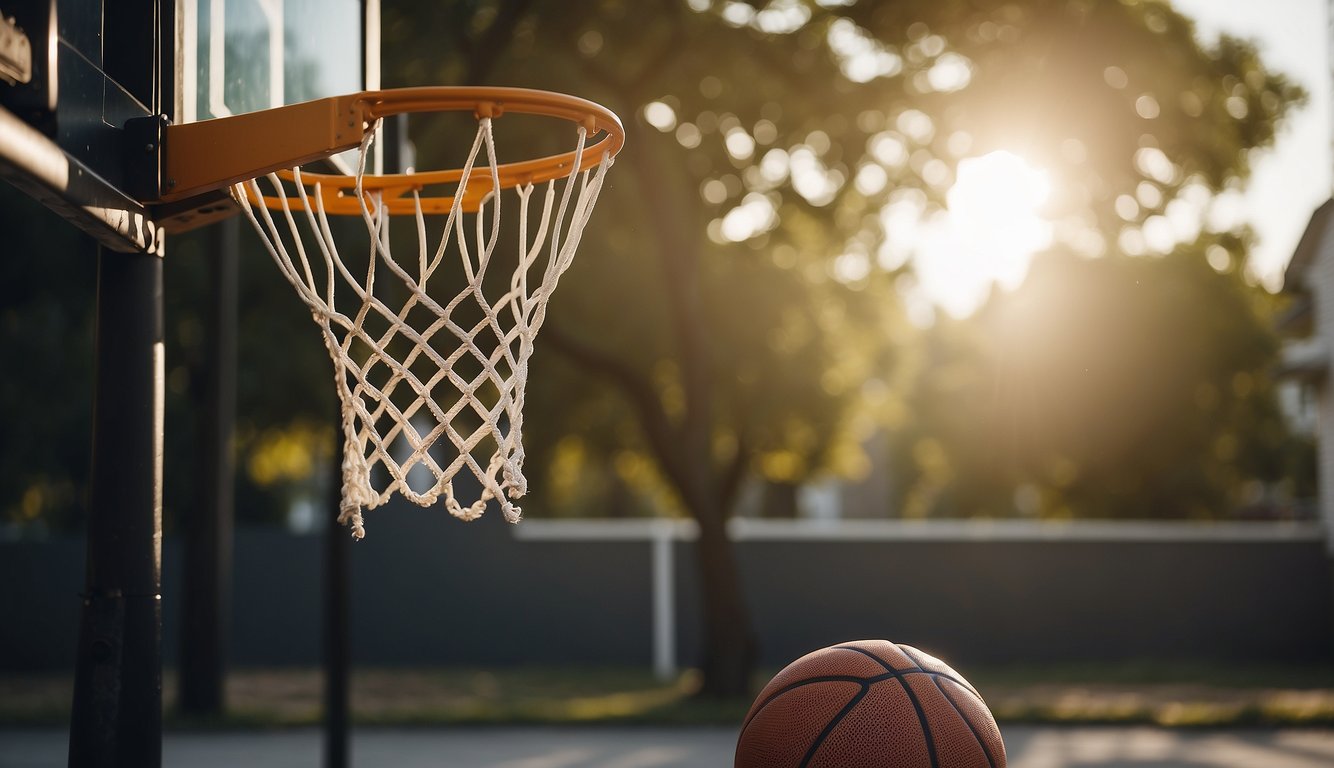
729, 646
684, 447
779, 500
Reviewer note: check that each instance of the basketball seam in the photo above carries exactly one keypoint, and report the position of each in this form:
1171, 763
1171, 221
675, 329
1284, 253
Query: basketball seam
833, 723
890, 674
895, 672
935, 679
962, 683
991, 761
912, 697
864, 682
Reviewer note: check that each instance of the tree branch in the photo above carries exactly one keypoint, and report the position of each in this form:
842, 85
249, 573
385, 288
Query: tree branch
658, 429
492, 44
673, 47
630, 88
680, 256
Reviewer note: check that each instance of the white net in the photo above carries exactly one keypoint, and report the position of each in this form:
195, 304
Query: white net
430, 385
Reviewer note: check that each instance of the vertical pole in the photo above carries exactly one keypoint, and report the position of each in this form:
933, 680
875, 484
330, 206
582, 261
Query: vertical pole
664, 602
117, 711
206, 587
337, 656
371, 69
1323, 386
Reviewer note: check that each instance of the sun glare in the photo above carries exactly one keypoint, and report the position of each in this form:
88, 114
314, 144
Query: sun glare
990, 230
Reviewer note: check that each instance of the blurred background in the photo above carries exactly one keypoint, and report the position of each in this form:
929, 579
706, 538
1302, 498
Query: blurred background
957, 322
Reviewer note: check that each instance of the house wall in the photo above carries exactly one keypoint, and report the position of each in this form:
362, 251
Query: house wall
428, 590
1319, 280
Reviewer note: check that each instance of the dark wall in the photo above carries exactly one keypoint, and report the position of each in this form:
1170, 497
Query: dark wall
426, 589
1004, 601
429, 590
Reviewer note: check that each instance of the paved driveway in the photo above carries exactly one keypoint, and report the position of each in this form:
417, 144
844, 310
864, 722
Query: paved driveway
1028, 747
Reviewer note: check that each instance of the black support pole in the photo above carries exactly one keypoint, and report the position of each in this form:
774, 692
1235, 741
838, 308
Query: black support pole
337, 644
206, 585
117, 712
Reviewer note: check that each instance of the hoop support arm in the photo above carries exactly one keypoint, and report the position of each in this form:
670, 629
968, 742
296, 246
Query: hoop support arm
212, 154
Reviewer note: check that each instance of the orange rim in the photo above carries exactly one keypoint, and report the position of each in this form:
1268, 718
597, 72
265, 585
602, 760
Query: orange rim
338, 192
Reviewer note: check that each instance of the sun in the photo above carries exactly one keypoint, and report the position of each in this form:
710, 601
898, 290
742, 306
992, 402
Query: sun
989, 231
1000, 193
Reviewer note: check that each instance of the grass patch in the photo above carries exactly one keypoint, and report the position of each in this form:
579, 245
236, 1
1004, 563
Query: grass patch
1186, 694
1171, 695
1152, 673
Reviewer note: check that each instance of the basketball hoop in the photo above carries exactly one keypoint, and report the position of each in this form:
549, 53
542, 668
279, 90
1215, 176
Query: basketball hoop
451, 380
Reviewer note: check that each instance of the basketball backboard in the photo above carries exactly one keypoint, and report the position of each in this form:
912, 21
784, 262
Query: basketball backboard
75, 73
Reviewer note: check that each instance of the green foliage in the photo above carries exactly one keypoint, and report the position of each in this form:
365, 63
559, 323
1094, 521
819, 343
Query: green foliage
47, 312
285, 402
799, 331
47, 286
1113, 387
1176, 694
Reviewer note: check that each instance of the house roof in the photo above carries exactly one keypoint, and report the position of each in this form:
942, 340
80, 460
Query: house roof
1308, 248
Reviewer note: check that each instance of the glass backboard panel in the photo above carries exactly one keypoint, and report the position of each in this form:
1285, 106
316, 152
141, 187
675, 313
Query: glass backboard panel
244, 55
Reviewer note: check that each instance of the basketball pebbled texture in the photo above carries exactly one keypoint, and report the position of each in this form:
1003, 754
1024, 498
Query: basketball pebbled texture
869, 704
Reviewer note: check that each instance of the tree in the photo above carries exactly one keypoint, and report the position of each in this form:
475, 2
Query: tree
1108, 388
733, 291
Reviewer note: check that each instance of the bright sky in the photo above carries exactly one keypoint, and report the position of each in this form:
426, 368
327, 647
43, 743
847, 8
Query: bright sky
993, 220
960, 253
1293, 178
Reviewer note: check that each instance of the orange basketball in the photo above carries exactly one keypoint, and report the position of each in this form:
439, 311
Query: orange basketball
869, 704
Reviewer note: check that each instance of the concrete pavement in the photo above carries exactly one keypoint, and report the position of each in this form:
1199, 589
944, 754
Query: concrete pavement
610, 747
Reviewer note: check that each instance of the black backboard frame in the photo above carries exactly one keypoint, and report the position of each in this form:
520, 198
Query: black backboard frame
97, 65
